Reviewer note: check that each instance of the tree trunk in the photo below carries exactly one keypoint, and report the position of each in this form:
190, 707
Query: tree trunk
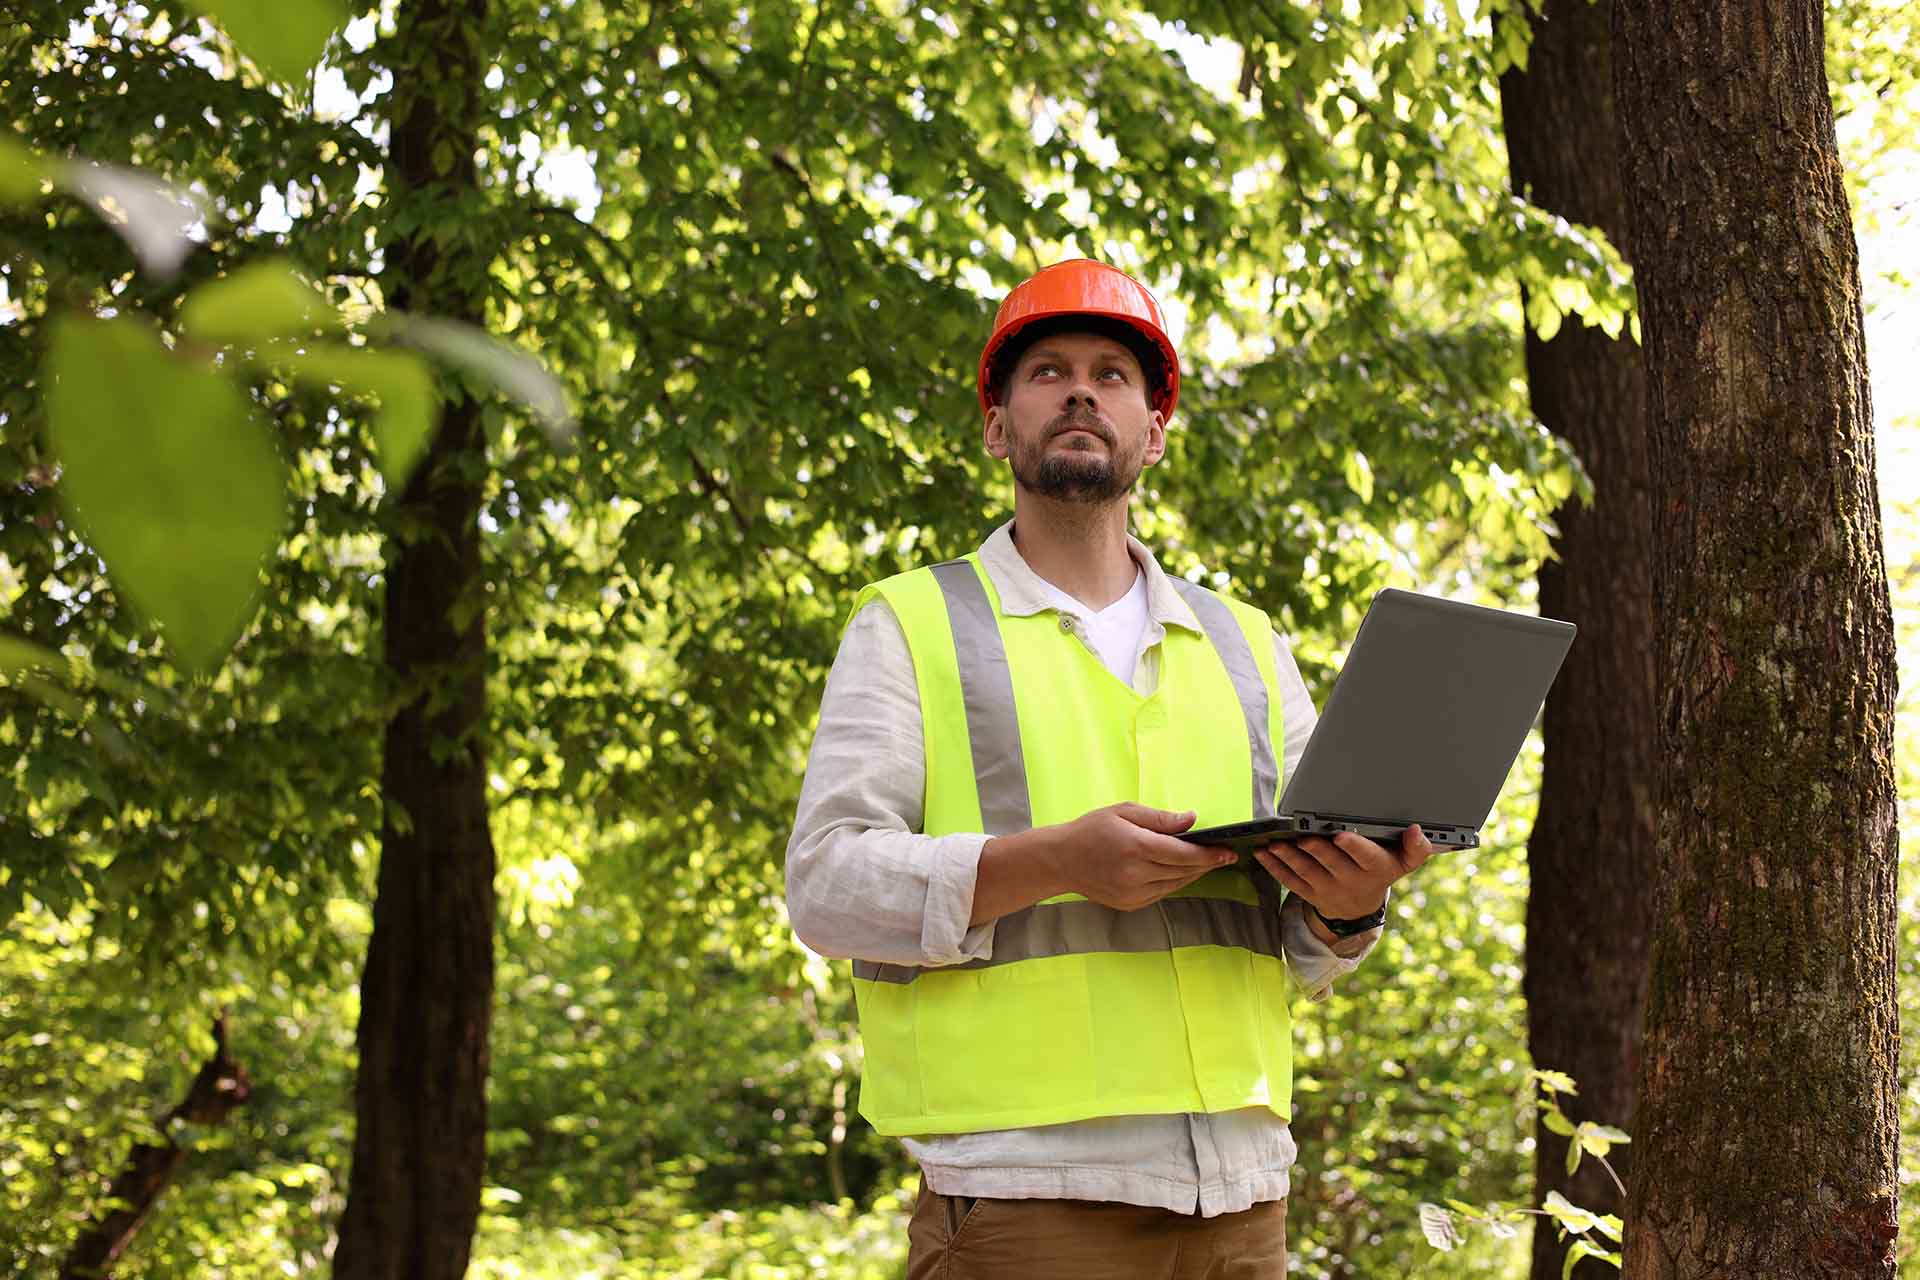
1587, 908
419, 1147
1767, 1122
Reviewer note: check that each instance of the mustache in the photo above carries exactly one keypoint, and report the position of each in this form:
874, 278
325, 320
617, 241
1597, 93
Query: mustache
1080, 420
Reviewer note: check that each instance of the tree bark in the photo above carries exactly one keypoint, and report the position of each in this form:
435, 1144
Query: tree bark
426, 998
1767, 1121
220, 1087
1591, 847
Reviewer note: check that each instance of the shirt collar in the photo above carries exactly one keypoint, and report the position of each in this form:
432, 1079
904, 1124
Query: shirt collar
1022, 591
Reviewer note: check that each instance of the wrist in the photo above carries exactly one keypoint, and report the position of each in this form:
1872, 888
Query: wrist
1015, 872
1330, 928
1048, 853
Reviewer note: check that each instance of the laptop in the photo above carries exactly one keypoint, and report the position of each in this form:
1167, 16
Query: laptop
1423, 725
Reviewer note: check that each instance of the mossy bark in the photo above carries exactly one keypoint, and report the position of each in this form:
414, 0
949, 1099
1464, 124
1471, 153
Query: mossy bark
1767, 1127
426, 997
1591, 848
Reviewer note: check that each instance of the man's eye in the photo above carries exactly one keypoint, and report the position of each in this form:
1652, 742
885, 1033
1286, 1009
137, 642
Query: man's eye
1119, 374
1044, 368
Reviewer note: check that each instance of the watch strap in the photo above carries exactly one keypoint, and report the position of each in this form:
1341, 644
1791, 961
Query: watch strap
1358, 924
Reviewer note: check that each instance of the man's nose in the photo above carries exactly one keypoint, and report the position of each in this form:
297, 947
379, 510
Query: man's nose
1080, 391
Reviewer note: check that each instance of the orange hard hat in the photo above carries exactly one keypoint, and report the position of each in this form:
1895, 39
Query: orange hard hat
1083, 287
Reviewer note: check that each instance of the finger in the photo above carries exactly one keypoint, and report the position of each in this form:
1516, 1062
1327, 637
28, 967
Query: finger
1280, 871
1415, 848
1183, 855
1164, 821
1368, 855
1333, 859
1152, 891
1303, 866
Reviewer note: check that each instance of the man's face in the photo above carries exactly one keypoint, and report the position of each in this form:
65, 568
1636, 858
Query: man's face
1077, 423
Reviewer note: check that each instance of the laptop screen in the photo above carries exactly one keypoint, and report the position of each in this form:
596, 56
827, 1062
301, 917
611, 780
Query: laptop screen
1429, 712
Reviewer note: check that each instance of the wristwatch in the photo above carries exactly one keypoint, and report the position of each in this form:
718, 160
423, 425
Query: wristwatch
1359, 924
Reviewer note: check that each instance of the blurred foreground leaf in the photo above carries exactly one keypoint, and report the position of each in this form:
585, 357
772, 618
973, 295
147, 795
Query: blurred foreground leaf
511, 370
168, 477
285, 37
260, 301
399, 380
155, 219
21, 172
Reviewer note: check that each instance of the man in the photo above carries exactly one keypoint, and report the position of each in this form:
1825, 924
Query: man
1076, 1021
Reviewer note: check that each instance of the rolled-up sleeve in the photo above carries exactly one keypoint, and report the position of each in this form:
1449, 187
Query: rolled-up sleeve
862, 883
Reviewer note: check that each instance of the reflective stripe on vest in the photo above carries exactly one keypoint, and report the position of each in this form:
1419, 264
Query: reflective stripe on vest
1231, 644
1082, 1010
993, 727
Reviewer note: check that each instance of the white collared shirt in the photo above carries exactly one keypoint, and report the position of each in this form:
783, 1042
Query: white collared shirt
863, 883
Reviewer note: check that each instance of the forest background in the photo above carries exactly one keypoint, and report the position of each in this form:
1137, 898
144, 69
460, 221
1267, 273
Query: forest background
758, 248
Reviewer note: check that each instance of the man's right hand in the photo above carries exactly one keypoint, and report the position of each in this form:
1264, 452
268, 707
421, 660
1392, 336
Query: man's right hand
1125, 856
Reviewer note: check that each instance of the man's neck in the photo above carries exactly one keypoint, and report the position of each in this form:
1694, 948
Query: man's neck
1078, 547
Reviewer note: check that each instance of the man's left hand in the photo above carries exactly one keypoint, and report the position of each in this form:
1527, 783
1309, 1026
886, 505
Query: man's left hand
1347, 876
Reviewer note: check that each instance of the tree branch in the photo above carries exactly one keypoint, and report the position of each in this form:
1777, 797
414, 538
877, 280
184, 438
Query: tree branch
220, 1087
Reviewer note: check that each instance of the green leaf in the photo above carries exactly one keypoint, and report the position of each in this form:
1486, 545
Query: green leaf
1360, 475
1437, 1225
22, 172
46, 692
284, 37
399, 380
168, 476
260, 301
1421, 54
1573, 1156
1583, 1249
29, 666
156, 220
1568, 1214
511, 370
1554, 1081
17, 657
1616, 1136
1556, 1120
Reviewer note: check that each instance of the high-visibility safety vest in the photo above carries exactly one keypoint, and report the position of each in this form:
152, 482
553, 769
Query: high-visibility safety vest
1082, 1010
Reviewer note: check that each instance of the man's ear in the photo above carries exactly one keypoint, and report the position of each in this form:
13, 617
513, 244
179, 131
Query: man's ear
1156, 439
994, 434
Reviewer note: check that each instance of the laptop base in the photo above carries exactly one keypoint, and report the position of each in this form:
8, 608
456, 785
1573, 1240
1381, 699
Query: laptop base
1245, 837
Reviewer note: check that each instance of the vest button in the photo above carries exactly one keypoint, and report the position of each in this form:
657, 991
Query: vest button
1066, 622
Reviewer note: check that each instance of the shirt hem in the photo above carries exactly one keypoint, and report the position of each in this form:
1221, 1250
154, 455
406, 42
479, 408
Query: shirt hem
1092, 1182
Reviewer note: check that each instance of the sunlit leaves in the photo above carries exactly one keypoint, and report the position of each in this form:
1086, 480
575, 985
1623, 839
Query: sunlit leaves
167, 473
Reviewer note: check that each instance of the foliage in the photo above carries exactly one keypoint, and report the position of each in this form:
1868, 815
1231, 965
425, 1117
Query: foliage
1901, 513
92, 1054
1441, 1225
764, 305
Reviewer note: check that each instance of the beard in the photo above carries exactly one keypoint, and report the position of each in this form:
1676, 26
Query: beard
1080, 475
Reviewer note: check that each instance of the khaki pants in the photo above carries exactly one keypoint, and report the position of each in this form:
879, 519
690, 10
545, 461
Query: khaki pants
957, 1238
